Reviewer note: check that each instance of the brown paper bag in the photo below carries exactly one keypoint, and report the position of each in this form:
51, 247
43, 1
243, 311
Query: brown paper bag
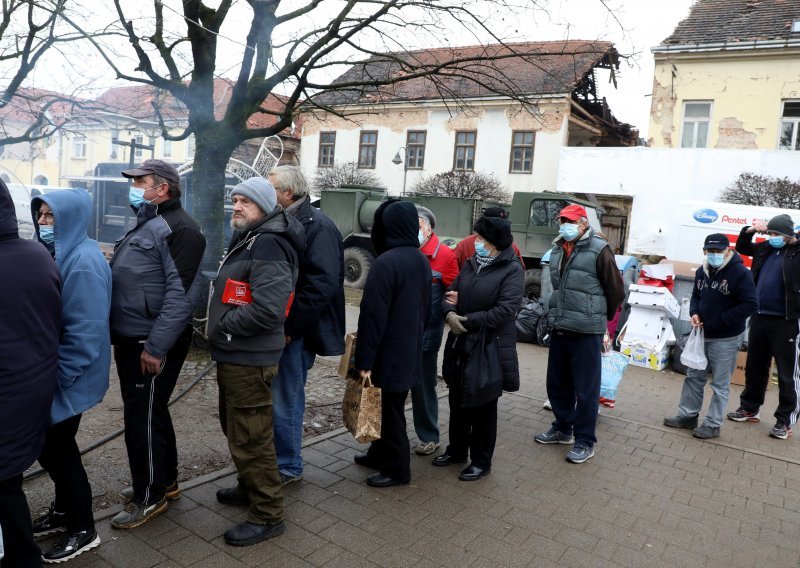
347, 362
361, 409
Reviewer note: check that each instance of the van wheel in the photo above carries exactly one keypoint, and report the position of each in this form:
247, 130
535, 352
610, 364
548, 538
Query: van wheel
533, 284
356, 266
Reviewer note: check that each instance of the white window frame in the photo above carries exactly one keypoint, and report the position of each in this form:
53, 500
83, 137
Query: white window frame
795, 130
694, 121
167, 150
137, 153
79, 147
190, 147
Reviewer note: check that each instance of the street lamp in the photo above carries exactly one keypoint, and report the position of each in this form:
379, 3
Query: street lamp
397, 159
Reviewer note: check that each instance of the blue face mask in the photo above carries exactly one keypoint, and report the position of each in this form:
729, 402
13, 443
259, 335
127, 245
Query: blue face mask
136, 196
777, 242
569, 231
47, 233
481, 250
715, 259
420, 237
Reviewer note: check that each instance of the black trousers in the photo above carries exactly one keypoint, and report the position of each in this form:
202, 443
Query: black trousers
392, 450
149, 434
573, 383
473, 431
21, 550
772, 336
62, 460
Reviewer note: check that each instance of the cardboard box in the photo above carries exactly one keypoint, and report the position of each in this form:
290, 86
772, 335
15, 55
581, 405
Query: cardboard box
348, 360
737, 378
654, 298
655, 359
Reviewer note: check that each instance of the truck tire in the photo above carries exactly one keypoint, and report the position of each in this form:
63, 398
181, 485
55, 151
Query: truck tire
356, 266
533, 284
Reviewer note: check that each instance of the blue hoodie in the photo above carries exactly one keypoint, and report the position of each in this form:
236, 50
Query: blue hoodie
84, 352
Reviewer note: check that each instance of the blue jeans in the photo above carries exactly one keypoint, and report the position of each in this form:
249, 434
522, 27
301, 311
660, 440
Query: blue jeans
721, 355
289, 405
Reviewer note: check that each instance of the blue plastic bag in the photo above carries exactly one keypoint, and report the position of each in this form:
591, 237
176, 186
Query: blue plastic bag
613, 367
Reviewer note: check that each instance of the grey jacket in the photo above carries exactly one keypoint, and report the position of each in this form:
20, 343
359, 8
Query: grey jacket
156, 277
266, 258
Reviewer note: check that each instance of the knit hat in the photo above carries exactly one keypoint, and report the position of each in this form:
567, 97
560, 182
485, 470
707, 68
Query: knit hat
781, 224
427, 214
495, 230
717, 241
259, 191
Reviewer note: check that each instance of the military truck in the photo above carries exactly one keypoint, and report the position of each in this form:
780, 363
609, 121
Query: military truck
532, 216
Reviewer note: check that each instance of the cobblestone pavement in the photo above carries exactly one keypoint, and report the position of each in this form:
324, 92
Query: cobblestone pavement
651, 496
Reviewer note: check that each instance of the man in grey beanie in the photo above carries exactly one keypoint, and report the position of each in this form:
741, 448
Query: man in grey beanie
252, 295
774, 328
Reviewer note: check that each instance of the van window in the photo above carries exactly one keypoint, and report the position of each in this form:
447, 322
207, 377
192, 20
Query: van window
544, 211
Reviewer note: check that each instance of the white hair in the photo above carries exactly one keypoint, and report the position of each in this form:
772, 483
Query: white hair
289, 177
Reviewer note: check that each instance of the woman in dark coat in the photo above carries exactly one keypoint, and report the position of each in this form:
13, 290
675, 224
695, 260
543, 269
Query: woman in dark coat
480, 358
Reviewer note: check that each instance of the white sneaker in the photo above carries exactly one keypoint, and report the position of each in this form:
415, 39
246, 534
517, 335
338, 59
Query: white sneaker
547, 405
426, 448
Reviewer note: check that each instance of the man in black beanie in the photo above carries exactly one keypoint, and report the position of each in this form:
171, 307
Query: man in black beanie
774, 328
465, 249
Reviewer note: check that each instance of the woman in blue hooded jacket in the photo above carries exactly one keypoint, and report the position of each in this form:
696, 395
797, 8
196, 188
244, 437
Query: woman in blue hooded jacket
84, 358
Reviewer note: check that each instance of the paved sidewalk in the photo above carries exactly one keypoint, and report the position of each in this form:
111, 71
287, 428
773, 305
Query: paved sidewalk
650, 497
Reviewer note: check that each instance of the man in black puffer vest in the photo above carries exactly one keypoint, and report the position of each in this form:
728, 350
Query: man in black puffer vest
394, 309
587, 290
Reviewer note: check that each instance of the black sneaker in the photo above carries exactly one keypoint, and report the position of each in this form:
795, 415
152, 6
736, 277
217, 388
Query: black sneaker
236, 496
51, 523
135, 514
71, 545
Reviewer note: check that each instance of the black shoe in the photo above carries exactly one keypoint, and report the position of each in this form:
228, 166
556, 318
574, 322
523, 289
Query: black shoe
366, 461
71, 545
473, 473
236, 496
378, 480
50, 523
247, 533
446, 459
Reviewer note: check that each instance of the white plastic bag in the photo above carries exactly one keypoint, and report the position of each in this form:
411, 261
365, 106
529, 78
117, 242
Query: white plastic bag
694, 354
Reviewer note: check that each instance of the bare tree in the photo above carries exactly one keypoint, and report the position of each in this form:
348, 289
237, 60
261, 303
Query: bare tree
463, 184
294, 48
765, 191
344, 174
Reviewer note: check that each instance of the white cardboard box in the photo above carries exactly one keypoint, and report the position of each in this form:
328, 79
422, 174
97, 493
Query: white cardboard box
655, 359
654, 298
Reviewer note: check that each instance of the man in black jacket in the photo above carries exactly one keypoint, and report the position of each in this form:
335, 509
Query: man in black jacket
774, 328
30, 327
390, 327
156, 284
252, 295
315, 324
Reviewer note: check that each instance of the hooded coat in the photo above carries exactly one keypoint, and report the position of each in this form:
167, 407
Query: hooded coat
396, 301
723, 298
30, 324
84, 352
265, 256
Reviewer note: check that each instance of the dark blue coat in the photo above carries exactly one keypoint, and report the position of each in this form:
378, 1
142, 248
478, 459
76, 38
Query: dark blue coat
30, 323
317, 313
396, 301
723, 298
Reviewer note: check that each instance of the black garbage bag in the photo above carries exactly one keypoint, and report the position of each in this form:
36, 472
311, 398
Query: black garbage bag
676, 365
543, 331
527, 321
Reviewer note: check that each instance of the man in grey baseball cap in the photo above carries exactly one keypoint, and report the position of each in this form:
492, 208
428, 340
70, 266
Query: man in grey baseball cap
155, 167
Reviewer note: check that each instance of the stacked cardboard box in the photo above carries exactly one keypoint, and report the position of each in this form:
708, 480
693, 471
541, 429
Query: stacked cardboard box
648, 333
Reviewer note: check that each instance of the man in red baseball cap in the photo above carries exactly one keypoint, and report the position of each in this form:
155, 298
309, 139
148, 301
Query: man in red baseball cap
587, 289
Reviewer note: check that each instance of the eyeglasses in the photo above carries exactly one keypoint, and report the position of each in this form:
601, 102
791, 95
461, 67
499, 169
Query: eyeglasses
48, 216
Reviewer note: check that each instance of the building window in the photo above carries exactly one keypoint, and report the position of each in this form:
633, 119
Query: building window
790, 124
167, 149
696, 119
367, 148
78, 147
327, 149
464, 156
522, 152
190, 147
139, 142
415, 149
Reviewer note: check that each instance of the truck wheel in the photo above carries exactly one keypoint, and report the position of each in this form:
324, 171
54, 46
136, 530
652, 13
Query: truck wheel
533, 284
356, 266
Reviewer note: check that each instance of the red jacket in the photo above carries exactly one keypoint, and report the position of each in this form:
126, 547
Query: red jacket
442, 259
465, 249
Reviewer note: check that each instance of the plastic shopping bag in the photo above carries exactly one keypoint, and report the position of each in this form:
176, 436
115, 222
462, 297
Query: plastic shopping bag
694, 354
613, 367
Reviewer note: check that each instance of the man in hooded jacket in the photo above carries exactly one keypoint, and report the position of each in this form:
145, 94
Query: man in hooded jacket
394, 309
84, 358
30, 324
